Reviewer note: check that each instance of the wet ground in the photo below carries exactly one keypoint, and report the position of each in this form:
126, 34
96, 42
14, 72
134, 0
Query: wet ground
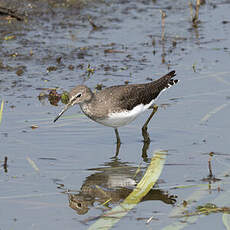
61, 175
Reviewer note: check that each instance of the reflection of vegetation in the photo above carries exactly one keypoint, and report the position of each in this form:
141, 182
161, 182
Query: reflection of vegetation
219, 205
112, 185
195, 17
206, 210
6, 158
163, 15
152, 174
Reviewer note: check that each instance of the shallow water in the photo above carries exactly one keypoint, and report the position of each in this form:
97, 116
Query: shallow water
76, 154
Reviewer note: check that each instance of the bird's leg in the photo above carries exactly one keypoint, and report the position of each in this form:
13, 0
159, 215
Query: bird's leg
118, 141
145, 134
117, 136
144, 151
145, 126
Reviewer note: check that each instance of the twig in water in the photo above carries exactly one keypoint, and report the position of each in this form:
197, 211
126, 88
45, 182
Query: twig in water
162, 25
195, 17
95, 27
149, 220
197, 11
191, 10
210, 178
163, 36
5, 164
210, 165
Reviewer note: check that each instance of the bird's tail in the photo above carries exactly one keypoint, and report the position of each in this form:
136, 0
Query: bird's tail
166, 81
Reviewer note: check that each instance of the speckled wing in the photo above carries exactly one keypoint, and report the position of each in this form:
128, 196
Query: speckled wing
133, 95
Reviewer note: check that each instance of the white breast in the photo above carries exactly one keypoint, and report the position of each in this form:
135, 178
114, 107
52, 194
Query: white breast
123, 118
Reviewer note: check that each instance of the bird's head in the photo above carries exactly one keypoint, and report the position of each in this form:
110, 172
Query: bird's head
78, 95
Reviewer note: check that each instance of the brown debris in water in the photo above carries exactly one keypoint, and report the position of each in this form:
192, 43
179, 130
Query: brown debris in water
20, 72
51, 68
113, 51
11, 13
71, 67
54, 97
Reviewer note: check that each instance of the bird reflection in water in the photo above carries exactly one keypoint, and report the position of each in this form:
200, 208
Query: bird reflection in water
110, 185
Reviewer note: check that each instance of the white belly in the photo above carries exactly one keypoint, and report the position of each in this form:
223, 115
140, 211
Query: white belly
123, 118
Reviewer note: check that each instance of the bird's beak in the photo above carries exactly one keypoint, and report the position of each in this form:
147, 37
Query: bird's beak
65, 108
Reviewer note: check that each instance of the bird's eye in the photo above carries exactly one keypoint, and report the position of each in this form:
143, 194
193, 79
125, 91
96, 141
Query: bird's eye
79, 205
78, 95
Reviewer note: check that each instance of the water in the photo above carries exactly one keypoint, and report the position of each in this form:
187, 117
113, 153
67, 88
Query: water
75, 153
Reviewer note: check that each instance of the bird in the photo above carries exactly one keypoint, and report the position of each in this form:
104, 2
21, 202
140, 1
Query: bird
118, 105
